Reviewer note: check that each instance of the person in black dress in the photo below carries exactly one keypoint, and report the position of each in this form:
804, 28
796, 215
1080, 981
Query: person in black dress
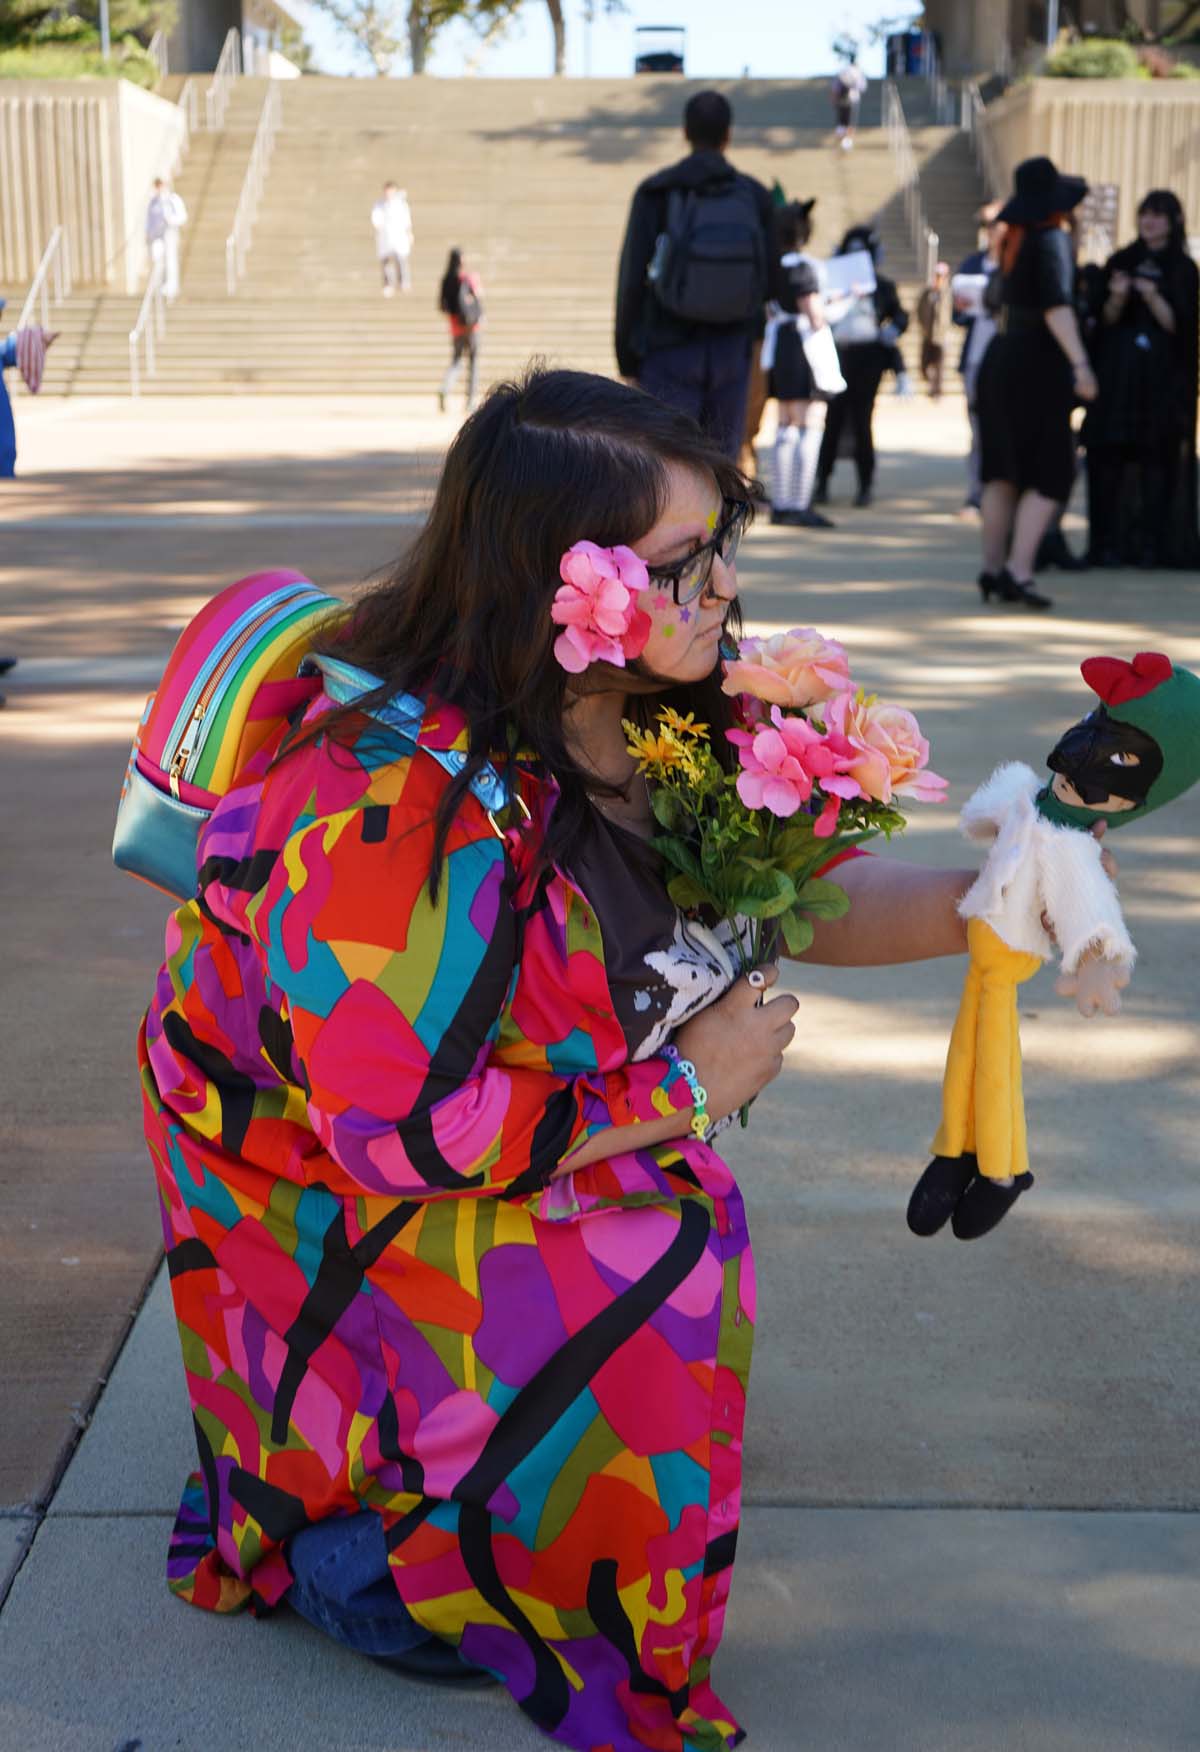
1034, 371
1141, 433
801, 421
866, 342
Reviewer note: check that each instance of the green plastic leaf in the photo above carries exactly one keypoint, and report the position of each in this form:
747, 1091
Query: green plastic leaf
822, 900
797, 932
688, 893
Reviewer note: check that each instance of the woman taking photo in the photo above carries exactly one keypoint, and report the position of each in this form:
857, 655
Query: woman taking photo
1032, 374
1141, 434
466, 1296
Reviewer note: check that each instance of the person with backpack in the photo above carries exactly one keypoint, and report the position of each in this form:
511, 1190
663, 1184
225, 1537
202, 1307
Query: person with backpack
461, 301
697, 266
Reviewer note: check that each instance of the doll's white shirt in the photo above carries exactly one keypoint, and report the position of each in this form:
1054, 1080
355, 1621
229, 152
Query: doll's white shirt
1034, 867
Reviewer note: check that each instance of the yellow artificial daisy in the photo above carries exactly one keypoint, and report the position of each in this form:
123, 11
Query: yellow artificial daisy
682, 725
651, 748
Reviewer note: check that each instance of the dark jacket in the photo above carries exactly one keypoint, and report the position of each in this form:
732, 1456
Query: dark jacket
643, 326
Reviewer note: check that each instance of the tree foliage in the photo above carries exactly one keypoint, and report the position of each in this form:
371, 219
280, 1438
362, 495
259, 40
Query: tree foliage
386, 32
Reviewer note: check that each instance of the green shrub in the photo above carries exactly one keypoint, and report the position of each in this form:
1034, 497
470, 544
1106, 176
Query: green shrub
128, 60
1095, 58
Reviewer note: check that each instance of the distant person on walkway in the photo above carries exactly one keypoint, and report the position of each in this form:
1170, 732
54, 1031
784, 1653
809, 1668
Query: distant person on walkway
866, 341
25, 350
933, 320
1033, 373
972, 313
801, 405
165, 218
461, 301
697, 266
391, 221
849, 83
1141, 432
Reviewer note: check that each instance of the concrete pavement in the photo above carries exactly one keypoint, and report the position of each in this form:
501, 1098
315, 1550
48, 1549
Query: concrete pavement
971, 1471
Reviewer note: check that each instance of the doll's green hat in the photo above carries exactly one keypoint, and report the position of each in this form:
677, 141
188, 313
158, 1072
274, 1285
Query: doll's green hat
1161, 700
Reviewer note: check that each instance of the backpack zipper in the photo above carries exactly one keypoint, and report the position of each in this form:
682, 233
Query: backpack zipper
187, 746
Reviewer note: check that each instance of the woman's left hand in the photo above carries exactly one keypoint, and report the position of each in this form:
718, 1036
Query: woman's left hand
1086, 387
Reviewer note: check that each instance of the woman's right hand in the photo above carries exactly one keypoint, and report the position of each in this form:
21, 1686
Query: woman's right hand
737, 1044
1119, 284
1086, 387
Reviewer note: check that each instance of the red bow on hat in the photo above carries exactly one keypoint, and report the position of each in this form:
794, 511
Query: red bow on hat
1117, 681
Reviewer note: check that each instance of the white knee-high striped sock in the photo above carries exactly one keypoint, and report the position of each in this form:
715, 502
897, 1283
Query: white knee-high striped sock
787, 445
808, 451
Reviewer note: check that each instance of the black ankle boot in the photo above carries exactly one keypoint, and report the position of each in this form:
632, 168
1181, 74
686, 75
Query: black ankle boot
1055, 552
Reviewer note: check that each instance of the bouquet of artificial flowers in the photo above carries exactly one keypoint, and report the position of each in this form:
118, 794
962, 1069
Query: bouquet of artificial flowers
823, 768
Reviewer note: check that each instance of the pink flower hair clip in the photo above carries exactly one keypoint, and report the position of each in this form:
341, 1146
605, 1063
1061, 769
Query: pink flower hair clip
596, 607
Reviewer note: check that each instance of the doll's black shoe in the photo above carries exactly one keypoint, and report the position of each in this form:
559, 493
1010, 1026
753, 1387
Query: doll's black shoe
936, 1194
984, 1203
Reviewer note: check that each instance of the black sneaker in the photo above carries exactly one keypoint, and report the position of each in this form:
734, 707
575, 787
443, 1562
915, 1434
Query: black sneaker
437, 1661
821, 493
862, 497
811, 519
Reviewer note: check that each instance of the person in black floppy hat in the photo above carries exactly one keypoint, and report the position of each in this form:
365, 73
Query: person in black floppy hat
1033, 373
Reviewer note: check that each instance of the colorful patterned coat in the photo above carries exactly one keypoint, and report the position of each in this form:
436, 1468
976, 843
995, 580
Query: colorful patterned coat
354, 1100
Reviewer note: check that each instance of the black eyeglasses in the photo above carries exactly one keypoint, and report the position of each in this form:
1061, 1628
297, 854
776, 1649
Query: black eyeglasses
687, 578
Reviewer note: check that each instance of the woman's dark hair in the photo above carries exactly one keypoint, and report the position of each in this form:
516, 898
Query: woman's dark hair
1165, 202
862, 237
793, 225
560, 457
448, 294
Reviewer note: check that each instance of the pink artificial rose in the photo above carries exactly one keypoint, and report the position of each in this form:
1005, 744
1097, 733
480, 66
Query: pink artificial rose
595, 606
789, 669
889, 754
783, 761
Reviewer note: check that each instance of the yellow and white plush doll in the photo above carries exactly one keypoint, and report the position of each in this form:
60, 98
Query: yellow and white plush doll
1043, 885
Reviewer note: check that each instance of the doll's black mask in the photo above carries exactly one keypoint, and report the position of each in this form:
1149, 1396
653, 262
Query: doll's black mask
1084, 755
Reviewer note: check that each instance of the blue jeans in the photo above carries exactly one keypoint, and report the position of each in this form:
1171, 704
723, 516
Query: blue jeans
708, 378
342, 1585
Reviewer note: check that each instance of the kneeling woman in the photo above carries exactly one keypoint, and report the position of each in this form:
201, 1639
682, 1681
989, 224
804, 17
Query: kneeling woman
466, 1306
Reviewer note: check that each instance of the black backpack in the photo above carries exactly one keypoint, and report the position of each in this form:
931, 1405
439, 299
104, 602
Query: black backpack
710, 264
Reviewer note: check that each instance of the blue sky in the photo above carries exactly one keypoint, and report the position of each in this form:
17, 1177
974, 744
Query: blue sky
772, 38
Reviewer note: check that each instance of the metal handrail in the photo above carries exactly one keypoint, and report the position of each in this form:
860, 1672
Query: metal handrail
56, 257
157, 50
238, 241
925, 239
188, 103
228, 68
939, 93
975, 123
153, 306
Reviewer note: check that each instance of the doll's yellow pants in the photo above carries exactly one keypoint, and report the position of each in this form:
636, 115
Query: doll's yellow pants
983, 1108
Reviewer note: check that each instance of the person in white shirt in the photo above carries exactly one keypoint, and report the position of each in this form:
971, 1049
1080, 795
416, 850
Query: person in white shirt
849, 83
165, 218
391, 220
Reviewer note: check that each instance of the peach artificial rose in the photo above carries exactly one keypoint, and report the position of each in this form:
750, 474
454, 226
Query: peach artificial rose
793, 669
890, 754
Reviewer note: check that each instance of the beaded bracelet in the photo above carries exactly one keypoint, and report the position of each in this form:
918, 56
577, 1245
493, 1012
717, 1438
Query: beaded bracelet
684, 1068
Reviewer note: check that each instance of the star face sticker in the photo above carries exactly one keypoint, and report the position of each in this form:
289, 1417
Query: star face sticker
662, 600
685, 615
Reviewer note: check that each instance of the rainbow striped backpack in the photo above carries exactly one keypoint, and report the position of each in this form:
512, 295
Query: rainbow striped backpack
231, 682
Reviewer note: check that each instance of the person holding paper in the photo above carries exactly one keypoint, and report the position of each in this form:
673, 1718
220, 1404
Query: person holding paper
866, 336
798, 316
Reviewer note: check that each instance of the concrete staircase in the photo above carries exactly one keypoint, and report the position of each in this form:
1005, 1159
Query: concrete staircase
532, 178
